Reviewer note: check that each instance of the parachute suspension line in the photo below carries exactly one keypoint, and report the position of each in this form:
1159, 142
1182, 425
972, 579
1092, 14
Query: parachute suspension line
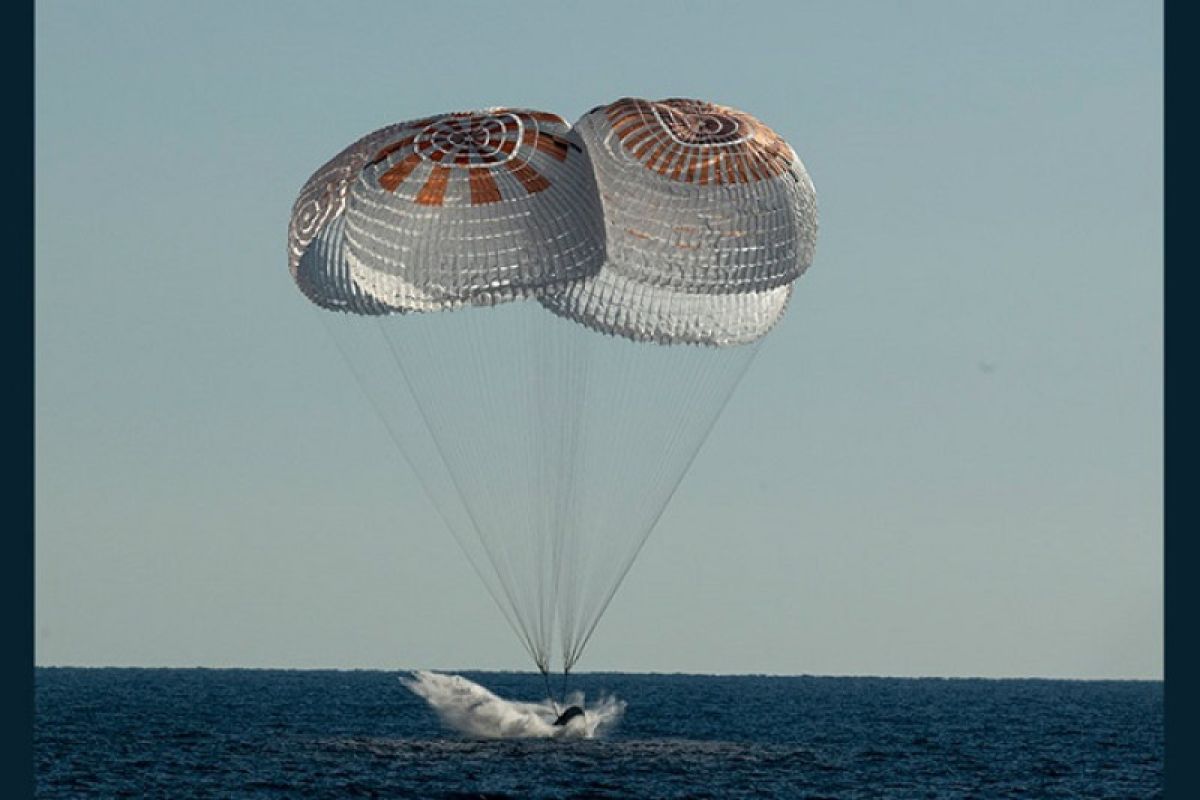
336, 329
546, 441
521, 628
614, 398
555, 450
690, 379
722, 392
500, 436
549, 691
535, 478
573, 522
491, 371
564, 362
499, 401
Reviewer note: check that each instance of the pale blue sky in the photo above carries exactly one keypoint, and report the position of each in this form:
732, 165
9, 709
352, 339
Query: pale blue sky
945, 461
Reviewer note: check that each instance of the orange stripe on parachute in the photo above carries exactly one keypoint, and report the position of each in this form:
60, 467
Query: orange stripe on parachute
397, 174
434, 190
483, 187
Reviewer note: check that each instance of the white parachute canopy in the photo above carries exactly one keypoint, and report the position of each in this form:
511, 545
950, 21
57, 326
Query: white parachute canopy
600, 290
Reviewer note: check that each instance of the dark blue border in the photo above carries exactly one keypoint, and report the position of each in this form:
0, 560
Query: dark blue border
1179, 300
16, 563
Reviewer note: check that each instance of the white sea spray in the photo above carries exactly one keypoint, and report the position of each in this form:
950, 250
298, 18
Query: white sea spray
465, 706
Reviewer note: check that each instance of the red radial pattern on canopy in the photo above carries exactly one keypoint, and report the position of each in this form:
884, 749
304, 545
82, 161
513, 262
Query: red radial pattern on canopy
472, 147
698, 142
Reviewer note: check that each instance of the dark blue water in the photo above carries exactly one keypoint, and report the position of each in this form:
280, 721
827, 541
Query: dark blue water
287, 734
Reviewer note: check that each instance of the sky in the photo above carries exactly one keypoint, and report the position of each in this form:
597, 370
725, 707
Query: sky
946, 460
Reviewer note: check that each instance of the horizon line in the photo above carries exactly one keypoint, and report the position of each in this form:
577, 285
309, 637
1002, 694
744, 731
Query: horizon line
648, 673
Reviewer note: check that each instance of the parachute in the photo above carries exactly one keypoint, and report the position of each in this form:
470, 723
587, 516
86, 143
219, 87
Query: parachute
550, 318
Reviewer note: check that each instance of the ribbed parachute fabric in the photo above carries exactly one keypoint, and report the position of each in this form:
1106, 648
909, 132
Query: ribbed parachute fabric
474, 208
709, 218
549, 451
316, 255
325, 274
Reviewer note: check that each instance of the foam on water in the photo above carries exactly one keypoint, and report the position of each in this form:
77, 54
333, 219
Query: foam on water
470, 709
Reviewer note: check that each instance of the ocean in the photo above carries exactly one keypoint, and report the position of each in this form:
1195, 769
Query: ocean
229, 733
